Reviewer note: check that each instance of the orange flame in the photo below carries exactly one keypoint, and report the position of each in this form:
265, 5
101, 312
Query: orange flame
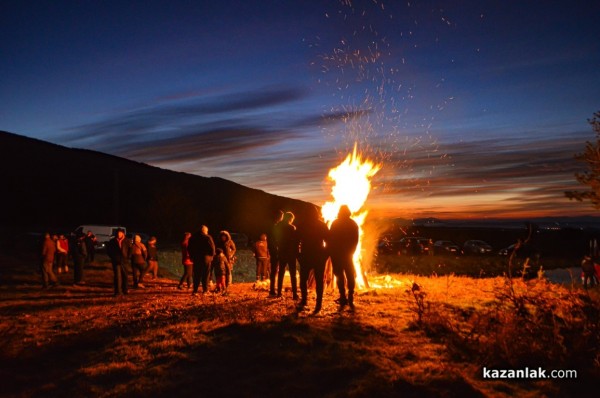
351, 187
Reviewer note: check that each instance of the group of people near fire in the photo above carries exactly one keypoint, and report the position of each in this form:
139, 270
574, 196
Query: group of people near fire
282, 247
311, 245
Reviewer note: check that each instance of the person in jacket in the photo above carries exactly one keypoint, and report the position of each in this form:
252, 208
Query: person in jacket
119, 251
152, 257
261, 254
186, 261
274, 253
287, 245
227, 246
90, 246
343, 239
313, 236
202, 249
48, 253
219, 267
139, 254
62, 253
79, 254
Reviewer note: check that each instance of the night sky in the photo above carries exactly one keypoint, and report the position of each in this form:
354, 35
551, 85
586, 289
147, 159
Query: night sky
474, 108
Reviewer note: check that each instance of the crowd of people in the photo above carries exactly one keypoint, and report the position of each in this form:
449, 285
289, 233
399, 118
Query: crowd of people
57, 249
281, 248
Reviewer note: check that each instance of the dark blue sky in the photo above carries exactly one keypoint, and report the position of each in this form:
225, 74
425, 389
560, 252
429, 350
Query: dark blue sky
475, 108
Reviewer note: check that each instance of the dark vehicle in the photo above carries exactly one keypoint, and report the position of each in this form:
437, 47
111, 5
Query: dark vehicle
446, 247
507, 251
477, 247
414, 246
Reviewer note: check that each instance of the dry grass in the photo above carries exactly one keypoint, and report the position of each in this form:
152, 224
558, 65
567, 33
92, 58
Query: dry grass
79, 341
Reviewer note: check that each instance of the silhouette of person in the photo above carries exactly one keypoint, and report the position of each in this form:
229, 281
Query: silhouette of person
186, 261
343, 239
588, 271
274, 252
79, 253
287, 244
313, 236
261, 254
90, 246
139, 254
48, 253
226, 244
152, 257
119, 250
202, 249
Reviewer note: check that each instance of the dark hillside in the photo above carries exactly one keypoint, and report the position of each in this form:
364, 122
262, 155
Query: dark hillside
51, 186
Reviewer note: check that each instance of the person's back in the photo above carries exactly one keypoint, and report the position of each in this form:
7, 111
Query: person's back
48, 249
311, 237
287, 239
343, 236
200, 245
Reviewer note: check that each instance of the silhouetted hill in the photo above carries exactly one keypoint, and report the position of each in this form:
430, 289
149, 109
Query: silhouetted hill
52, 186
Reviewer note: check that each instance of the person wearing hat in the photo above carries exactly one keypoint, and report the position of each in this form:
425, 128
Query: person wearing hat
152, 258
119, 250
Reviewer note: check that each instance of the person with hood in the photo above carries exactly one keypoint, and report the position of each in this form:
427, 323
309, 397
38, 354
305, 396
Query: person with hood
343, 239
287, 245
314, 236
48, 252
139, 254
202, 249
226, 244
261, 254
119, 250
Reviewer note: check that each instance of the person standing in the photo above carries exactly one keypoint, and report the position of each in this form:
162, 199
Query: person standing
152, 258
90, 246
186, 261
219, 266
343, 239
313, 236
274, 253
62, 253
287, 243
48, 253
226, 244
202, 249
261, 254
119, 250
589, 272
79, 254
139, 254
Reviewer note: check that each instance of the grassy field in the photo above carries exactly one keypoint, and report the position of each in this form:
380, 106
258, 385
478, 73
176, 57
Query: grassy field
418, 334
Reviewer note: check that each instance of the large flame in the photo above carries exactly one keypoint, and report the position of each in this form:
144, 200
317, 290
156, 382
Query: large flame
351, 187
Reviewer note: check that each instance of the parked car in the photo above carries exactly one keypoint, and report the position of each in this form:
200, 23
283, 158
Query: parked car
446, 247
477, 247
507, 251
414, 245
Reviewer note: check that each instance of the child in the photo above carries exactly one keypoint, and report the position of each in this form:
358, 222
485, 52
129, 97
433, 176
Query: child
152, 258
261, 253
220, 266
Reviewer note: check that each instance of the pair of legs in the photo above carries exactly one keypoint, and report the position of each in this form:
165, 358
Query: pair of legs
274, 273
153, 268
139, 270
343, 269
262, 266
120, 278
78, 268
187, 276
318, 268
202, 273
290, 262
48, 276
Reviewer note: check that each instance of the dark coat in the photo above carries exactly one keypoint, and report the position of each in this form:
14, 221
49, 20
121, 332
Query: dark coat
343, 237
286, 239
118, 253
312, 237
48, 250
199, 246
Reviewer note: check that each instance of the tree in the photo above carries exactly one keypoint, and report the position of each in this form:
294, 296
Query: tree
590, 177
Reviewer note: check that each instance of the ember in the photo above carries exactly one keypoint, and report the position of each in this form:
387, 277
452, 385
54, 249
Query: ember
351, 186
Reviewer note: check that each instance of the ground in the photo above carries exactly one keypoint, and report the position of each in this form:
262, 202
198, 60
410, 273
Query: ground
161, 341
